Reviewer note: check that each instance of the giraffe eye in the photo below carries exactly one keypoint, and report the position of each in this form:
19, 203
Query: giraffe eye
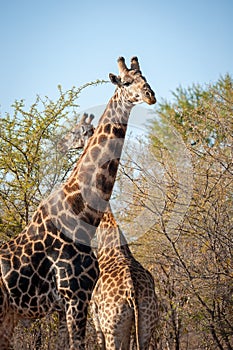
127, 83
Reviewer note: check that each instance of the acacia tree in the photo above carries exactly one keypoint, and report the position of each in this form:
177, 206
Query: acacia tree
30, 162
187, 188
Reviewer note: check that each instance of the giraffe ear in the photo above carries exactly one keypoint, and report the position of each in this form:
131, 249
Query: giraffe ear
114, 79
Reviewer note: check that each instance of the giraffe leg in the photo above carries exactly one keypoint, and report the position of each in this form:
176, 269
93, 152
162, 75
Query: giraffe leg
76, 316
7, 325
117, 327
7, 322
96, 320
147, 324
62, 341
117, 341
145, 335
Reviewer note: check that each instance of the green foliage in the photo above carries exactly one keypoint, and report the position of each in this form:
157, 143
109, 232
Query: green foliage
201, 114
30, 162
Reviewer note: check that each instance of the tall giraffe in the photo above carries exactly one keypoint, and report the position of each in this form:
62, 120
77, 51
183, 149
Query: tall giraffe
51, 266
124, 294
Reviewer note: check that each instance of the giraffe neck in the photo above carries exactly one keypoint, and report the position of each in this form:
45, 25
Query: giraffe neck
117, 111
95, 172
110, 237
79, 205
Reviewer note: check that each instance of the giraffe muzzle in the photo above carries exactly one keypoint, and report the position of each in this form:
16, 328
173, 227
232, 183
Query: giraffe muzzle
148, 94
149, 98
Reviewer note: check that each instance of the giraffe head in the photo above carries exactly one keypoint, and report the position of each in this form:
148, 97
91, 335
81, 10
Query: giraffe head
77, 138
132, 84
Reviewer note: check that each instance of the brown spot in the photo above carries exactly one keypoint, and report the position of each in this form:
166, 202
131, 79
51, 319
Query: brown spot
102, 138
85, 177
104, 165
38, 246
103, 184
119, 132
16, 262
100, 180
114, 274
104, 278
107, 128
116, 298
31, 229
119, 111
113, 166
95, 152
76, 202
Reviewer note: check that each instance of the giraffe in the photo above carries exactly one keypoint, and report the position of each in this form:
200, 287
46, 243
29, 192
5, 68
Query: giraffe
124, 293
50, 266
79, 135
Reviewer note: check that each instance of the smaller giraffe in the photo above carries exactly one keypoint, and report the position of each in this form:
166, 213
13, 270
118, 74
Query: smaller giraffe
79, 135
124, 293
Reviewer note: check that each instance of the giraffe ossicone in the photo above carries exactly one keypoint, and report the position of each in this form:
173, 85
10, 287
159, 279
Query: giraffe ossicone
44, 270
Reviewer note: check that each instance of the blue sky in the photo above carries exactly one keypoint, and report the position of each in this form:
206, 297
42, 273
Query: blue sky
71, 42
